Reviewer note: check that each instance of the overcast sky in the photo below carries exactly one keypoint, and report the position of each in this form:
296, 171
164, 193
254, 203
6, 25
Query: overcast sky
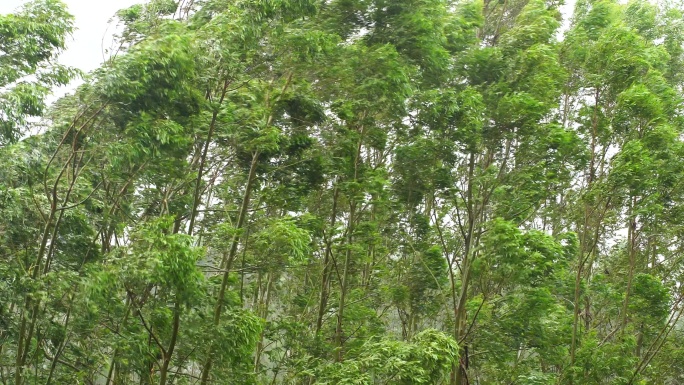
84, 50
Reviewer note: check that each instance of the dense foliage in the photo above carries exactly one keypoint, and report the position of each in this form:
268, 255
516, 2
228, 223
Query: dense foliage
346, 192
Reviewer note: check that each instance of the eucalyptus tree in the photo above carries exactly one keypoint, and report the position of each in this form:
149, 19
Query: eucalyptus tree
367, 192
623, 103
31, 39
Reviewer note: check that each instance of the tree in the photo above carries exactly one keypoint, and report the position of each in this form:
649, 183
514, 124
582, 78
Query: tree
347, 192
30, 41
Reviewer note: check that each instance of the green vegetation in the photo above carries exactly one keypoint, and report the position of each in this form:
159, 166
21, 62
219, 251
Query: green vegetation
346, 192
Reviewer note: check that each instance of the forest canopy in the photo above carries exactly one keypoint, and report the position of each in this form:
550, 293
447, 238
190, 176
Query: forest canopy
302, 192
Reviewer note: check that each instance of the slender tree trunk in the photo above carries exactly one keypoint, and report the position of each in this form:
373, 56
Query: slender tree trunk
227, 263
459, 374
203, 159
584, 240
339, 339
325, 277
263, 312
631, 253
60, 349
168, 355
